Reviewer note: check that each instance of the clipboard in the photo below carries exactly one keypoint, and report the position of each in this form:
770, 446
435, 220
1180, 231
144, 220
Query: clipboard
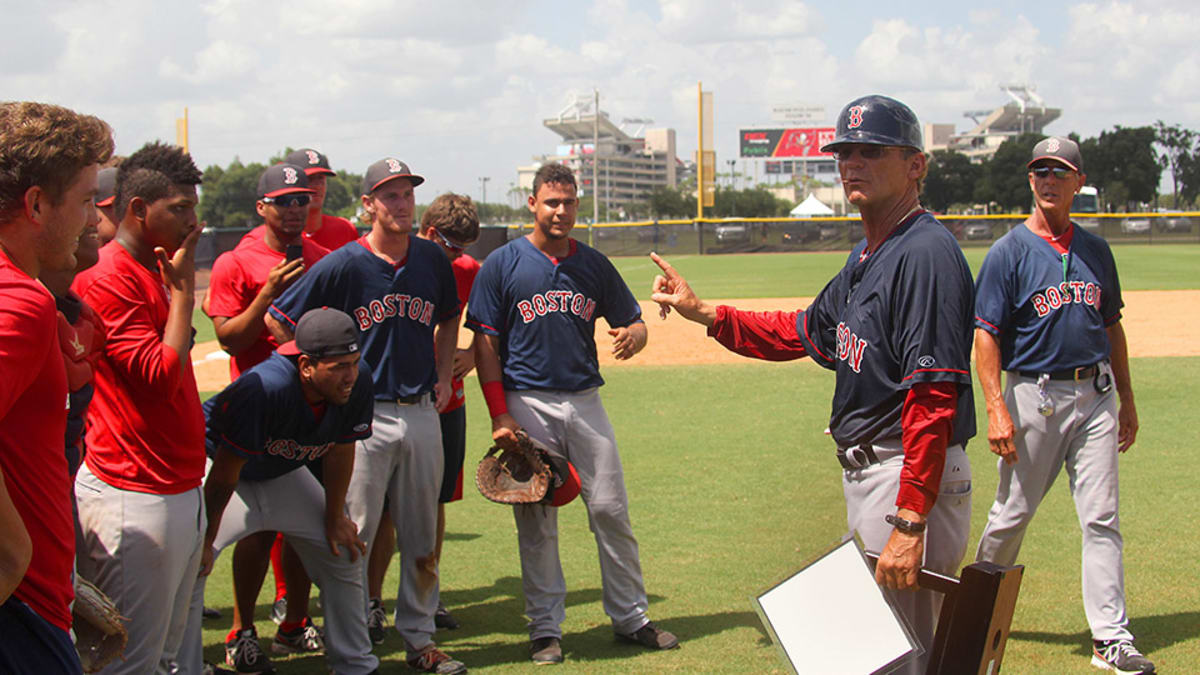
831, 617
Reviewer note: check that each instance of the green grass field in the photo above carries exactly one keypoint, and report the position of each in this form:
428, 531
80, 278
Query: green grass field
733, 486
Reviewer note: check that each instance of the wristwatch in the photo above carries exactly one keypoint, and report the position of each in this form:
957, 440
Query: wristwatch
905, 526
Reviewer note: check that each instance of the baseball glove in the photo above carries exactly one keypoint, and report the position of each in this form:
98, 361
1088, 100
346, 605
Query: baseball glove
520, 476
100, 634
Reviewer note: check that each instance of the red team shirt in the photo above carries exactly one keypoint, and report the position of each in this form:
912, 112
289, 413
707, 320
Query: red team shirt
238, 276
33, 420
145, 426
334, 233
465, 269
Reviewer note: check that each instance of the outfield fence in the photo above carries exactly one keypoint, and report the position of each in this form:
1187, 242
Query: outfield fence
711, 236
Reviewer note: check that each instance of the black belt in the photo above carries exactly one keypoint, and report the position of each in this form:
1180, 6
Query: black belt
1082, 373
857, 457
412, 399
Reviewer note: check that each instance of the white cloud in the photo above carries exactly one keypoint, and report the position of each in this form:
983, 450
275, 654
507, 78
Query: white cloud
459, 89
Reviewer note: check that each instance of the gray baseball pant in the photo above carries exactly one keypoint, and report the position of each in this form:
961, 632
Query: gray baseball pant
871, 493
142, 550
576, 425
1081, 436
294, 504
403, 460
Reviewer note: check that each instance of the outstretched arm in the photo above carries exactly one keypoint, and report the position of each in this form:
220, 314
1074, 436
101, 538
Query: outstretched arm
670, 290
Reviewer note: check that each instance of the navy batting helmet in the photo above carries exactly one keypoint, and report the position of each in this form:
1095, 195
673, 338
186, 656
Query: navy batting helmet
877, 120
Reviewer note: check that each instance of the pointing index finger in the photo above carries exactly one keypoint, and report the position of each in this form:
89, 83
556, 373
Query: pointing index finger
663, 265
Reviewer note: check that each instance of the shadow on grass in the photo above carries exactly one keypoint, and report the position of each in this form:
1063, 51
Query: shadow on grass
1151, 633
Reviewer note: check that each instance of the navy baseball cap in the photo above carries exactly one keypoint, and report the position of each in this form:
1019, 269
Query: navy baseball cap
313, 162
108, 186
283, 179
387, 169
1060, 149
323, 332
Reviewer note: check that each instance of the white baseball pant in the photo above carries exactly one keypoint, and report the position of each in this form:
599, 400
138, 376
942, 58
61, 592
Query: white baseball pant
871, 495
403, 460
294, 504
1081, 436
142, 550
576, 425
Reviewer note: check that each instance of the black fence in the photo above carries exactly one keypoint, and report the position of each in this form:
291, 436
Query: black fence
753, 235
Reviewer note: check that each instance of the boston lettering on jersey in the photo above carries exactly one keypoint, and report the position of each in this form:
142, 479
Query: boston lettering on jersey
394, 304
542, 304
291, 449
1067, 292
850, 347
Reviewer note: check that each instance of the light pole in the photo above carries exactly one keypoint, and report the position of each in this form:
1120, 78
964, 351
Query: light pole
483, 187
732, 175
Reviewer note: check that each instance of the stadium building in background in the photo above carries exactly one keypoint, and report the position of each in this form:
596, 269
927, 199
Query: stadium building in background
630, 164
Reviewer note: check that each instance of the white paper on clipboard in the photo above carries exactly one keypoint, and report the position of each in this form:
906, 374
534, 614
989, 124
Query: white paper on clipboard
831, 617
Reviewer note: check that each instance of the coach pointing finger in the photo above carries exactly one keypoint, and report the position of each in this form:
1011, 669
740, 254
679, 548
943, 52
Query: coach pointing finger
895, 327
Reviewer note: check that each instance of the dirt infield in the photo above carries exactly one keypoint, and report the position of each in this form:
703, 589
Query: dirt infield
676, 342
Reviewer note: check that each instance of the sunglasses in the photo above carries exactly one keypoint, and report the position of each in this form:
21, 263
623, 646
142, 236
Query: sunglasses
288, 201
449, 244
1059, 172
864, 151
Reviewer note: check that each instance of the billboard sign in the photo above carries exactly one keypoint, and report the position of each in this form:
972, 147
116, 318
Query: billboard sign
794, 142
798, 113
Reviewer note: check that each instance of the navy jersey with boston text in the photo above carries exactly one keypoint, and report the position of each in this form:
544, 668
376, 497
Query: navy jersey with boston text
1048, 313
396, 308
545, 313
263, 417
898, 317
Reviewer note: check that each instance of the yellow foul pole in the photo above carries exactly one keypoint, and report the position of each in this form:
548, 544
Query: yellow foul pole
699, 150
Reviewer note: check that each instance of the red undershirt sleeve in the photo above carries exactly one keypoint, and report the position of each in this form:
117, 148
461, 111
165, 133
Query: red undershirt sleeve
927, 422
770, 336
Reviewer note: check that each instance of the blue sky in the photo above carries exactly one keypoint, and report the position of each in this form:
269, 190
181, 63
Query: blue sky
459, 89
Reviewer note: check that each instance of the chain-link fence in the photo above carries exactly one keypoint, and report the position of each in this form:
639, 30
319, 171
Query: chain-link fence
750, 235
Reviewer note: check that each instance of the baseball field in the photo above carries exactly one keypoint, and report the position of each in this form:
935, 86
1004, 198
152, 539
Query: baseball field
733, 486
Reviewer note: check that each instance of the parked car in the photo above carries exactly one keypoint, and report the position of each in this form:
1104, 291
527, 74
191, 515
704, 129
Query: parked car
733, 233
977, 230
1139, 225
1175, 224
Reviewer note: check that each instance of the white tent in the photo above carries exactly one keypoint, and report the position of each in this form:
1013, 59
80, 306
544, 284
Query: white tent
811, 207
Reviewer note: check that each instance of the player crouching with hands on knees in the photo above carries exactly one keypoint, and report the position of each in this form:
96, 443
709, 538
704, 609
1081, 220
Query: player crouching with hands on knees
308, 402
533, 309
1048, 311
895, 327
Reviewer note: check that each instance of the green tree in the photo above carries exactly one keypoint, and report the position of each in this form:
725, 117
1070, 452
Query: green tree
229, 195
1004, 178
951, 180
1176, 143
1124, 156
666, 202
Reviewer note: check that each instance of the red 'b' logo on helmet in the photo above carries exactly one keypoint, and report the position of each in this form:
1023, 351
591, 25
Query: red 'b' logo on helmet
289, 176
313, 157
855, 117
394, 165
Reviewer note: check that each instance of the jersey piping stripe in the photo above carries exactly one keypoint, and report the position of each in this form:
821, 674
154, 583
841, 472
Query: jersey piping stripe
482, 325
936, 370
285, 316
812, 341
231, 444
990, 325
1111, 321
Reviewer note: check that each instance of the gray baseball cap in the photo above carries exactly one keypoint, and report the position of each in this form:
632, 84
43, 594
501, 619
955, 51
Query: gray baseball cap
1059, 149
323, 332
